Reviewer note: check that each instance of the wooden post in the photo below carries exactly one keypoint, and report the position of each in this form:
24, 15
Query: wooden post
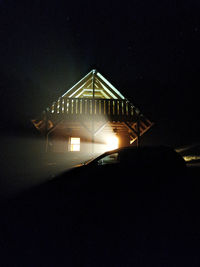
138, 130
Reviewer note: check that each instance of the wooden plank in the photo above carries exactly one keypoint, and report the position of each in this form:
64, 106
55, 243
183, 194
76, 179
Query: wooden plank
67, 106
81, 106
132, 110
122, 108
77, 85
130, 128
90, 110
100, 106
84, 86
63, 105
96, 107
52, 110
118, 111
109, 89
125, 108
58, 106
70, 106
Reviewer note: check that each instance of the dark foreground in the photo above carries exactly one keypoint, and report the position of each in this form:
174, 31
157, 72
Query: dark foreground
105, 219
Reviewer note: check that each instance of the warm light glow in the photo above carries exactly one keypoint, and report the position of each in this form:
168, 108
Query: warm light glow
191, 157
75, 144
112, 142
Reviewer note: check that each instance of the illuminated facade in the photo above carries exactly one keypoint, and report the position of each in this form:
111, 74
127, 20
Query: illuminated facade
89, 114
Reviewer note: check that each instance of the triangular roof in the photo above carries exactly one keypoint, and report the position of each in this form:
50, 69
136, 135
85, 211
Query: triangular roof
93, 85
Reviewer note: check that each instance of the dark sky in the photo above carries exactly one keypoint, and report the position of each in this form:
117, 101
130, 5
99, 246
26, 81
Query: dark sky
149, 50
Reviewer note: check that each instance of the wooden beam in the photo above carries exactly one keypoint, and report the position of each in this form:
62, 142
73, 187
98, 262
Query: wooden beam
138, 131
108, 88
81, 89
147, 128
77, 85
130, 128
103, 91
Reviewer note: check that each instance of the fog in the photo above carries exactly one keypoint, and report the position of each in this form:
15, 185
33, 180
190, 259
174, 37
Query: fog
24, 162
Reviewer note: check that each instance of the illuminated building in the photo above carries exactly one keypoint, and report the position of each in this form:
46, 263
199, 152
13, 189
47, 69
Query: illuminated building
91, 116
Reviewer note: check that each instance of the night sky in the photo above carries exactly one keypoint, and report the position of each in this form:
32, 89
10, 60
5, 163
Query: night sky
149, 50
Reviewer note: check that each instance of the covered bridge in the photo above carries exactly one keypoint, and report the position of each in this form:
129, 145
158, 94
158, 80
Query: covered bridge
92, 116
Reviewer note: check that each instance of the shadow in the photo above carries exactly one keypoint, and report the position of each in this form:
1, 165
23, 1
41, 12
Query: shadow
117, 215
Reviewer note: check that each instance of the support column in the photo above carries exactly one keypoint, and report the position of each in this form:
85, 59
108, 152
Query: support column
138, 130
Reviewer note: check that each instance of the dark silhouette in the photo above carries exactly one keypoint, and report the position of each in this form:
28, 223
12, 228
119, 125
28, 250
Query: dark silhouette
105, 214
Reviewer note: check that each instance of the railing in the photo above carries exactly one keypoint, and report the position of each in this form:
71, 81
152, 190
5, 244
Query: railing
111, 108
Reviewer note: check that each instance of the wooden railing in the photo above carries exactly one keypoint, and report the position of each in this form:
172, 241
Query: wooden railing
111, 108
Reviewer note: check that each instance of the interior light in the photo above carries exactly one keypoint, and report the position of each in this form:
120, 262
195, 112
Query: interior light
75, 144
112, 142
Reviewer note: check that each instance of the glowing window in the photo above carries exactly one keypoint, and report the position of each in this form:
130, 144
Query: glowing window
74, 144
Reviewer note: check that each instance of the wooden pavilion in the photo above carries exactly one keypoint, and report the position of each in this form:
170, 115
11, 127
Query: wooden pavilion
83, 117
